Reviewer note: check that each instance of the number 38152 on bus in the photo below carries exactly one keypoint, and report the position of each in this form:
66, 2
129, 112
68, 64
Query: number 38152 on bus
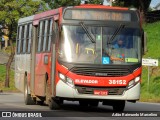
117, 82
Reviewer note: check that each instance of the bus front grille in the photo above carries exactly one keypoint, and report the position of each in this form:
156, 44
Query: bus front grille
101, 72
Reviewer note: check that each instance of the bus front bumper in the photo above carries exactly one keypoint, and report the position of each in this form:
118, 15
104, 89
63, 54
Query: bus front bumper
66, 91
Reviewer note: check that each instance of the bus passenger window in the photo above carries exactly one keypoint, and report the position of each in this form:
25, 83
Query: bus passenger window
40, 36
45, 42
29, 37
25, 38
18, 32
49, 35
22, 39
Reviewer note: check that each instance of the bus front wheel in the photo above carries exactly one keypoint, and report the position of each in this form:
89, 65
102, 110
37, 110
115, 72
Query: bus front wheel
119, 106
53, 104
94, 103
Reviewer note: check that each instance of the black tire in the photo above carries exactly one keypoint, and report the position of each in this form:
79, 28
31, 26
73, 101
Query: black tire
54, 105
41, 102
27, 97
94, 103
119, 106
83, 103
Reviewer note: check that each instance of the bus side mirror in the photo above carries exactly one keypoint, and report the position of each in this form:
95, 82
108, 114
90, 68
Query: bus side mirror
144, 42
46, 59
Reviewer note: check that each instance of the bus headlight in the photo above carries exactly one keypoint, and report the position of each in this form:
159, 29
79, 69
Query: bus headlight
70, 82
66, 80
62, 77
133, 82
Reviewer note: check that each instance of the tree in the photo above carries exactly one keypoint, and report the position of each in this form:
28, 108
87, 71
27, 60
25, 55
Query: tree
95, 1
61, 3
142, 5
10, 12
50, 3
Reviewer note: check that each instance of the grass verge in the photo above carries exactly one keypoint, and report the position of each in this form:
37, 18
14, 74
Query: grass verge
151, 92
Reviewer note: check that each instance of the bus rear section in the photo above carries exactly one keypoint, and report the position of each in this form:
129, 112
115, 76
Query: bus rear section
85, 62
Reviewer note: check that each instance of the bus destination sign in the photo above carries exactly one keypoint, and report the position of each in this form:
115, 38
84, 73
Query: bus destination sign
91, 14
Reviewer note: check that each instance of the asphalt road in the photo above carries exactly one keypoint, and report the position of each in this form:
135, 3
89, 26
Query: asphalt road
13, 102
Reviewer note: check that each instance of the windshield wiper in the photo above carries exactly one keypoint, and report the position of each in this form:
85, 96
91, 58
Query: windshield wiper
89, 34
115, 33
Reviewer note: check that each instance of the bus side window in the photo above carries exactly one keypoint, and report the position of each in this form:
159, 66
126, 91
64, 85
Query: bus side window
50, 34
45, 35
20, 39
24, 39
18, 32
40, 36
29, 37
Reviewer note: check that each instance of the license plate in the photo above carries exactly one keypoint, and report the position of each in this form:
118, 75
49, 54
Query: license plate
100, 92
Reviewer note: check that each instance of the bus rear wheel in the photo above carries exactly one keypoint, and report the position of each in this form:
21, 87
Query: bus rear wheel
119, 106
27, 97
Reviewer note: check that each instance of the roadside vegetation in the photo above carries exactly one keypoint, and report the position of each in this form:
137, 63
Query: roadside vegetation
2, 80
152, 92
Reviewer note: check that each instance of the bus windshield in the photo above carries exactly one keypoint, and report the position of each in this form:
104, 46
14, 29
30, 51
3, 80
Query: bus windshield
75, 46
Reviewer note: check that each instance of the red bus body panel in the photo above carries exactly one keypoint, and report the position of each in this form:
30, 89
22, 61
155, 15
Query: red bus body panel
40, 73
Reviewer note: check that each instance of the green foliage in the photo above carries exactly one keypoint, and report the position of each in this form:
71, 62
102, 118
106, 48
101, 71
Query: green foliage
95, 1
63, 3
50, 3
12, 10
142, 5
151, 92
118, 3
153, 39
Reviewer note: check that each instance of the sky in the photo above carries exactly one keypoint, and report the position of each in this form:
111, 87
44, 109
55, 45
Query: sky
154, 3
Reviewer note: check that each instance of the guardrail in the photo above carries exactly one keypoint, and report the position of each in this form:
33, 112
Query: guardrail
153, 16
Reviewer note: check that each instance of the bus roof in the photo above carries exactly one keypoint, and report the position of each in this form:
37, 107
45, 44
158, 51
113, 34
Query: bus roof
56, 11
46, 14
100, 7
26, 19
37, 16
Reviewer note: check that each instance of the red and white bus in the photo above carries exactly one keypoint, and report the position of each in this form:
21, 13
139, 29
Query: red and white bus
72, 53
